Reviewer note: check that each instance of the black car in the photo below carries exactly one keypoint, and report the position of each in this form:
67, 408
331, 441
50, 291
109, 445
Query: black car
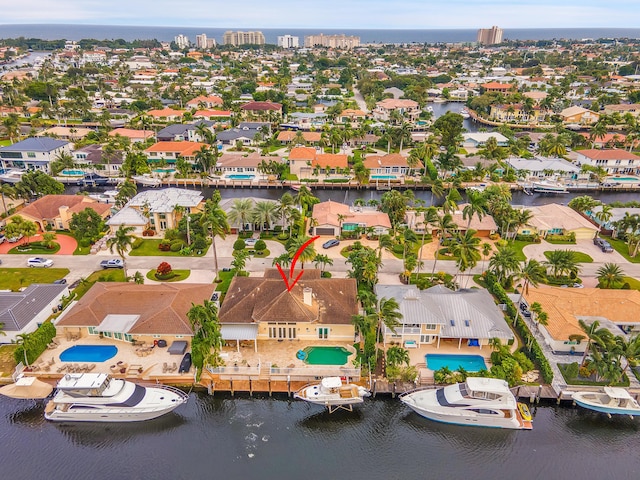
603, 244
61, 281
92, 179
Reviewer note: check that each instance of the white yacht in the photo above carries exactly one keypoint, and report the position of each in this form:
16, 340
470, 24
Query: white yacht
465, 113
612, 401
481, 402
333, 394
147, 180
549, 187
12, 175
96, 397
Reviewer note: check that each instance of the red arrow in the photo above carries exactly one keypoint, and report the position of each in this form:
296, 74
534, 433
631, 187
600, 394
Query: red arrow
293, 265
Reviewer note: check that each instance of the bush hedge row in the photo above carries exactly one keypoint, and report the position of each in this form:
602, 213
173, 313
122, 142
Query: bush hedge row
35, 343
535, 353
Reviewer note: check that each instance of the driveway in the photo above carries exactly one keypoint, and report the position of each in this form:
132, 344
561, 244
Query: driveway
536, 251
67, 243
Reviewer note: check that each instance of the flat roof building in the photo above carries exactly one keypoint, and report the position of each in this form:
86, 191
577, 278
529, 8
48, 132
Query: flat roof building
490, 36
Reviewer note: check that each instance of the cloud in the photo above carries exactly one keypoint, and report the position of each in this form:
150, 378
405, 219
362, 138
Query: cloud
365, 14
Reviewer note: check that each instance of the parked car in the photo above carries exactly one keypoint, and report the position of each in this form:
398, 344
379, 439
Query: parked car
603, 244
113, 263
331, 243
39, 262
2, 238
14, 239
60, 281
250, 242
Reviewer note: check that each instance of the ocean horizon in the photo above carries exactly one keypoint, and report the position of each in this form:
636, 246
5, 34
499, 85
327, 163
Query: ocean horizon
376, 36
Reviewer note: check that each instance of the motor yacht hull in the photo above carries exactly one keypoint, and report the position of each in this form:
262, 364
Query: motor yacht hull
344, 396
114, 415
459, 418
580, 400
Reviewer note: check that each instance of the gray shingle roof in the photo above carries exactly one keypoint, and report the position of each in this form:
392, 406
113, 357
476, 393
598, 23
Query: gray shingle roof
35, 144
17, 309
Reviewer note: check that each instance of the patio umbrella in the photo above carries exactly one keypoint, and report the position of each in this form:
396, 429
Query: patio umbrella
27, 387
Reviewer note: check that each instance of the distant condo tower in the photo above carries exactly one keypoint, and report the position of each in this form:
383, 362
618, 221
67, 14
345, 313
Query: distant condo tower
243, 38
182, 41
288, 41
490, 36
203, 42
332, 41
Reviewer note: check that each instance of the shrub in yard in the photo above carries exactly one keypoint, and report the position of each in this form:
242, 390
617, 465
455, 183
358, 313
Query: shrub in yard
260, 246
176, 246
199, 243
164, 247
148, 233
84, 242
136, 243
163, 269
239, 244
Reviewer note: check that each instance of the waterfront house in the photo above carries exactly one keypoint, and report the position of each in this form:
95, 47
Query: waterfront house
304, 161
157, 210
544, 167
606, 141
441, 316
517, 113
134, 136
614, 160
334, 218
184, 132
392, 166
623, 108
617, 214
408, 109
578, 116
35, 153
616, 310
127, 311
261, 110
497, 87
307, 121
202, 102
55, 211
287, 136
22, 312
166, 115
72, 134
93, 156
169, 152
262, 308
554, 219
236, 163
245, 132
352, 117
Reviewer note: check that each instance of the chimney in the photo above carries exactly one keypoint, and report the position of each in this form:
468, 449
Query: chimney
306, 296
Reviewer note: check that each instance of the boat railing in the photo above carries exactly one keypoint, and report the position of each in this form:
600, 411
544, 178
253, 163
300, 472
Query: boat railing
419, 389
177, 391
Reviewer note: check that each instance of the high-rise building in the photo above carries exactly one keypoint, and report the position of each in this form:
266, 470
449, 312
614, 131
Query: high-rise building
288, 41
332, 41
182, 41
490, 36
201, 41
243, 38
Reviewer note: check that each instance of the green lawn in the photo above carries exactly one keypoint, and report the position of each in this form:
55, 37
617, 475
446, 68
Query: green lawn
16, 278
518, 245
578, 256
5, 143
579, 381
621, 247
634, 284
82, 250
109, 275
149, 248
179, 275
225, 281
34, 248
7, 363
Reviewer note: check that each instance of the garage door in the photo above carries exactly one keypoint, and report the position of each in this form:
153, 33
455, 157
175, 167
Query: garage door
325, 231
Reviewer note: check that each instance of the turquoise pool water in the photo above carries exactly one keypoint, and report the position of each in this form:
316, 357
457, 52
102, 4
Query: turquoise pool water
73, 173
326, 355
471, 363
238, 176
164, 170
624, 179
89, 353
383, 177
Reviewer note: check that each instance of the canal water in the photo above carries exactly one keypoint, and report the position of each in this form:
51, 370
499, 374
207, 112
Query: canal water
276, 438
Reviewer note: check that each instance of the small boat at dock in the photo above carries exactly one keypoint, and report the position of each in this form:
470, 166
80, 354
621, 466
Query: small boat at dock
333, 394
611, 401
548, 188
147, 180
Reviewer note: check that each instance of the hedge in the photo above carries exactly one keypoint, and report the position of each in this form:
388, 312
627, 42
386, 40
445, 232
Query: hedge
35, 343
535, 353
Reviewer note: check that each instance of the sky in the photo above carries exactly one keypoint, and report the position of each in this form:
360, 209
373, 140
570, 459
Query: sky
365, 14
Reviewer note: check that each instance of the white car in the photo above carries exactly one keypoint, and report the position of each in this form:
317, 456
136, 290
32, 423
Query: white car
39, 262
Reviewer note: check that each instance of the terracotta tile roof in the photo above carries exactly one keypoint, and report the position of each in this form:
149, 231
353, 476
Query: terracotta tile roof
166, 112
212, 113
565, 305
496, 86
302, 153
608, 154
391, 103
390, 160
262, 106
331, 160
48, 207
288, 135
162, 308
201, 98
131, 133
182, 148
266, 299
326, 213
609, 137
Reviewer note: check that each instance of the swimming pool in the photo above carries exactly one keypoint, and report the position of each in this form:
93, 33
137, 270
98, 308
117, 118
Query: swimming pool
471, 363
383, 177
89, 353
237, 176
624, 179
326, 355
73, 173
165, 170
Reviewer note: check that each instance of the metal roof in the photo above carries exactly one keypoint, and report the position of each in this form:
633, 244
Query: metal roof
17, 309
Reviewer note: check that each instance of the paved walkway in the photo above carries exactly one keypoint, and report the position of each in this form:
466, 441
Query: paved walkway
536, 251
67, 243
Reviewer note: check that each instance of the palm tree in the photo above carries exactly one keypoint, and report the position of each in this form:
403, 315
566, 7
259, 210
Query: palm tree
437, 190
465, 249
476, 206
604, 215
306, 255
594, 333
504, 263
284, 260
215, 220
397, 356
629, 348
599, 130
609, 275
240, 212
321, 261
284, 206
121, 241
205, 159
6, 191
583, 203
387, 314
429, 217
486, 250
264, 213
532, 273
562, 262
444, 225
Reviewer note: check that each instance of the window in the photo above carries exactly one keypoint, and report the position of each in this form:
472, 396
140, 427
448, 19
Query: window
466, 323
430, 326
425, 338
155, 336
323, 333
93, 331
117, 336
179, 336
31, 155
128, 338
452, 322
